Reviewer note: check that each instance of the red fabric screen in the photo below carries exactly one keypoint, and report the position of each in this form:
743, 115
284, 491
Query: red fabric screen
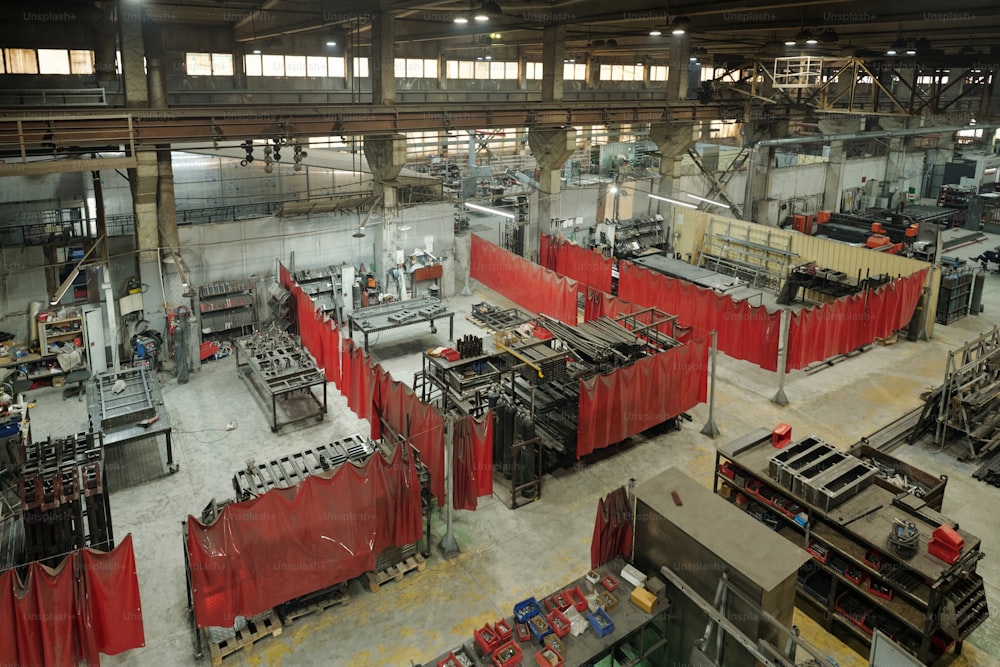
745, 331
634, 398
588, 267
473, 460
529, 285
290, 542
612, 529
54, 619
852, 321
599, 304
320, 334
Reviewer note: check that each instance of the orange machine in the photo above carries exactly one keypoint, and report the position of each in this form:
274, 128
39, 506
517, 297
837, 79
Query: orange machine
803, 223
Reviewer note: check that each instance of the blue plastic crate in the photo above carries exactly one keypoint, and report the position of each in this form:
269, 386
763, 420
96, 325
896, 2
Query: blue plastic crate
602, 630
540, 635
525, 609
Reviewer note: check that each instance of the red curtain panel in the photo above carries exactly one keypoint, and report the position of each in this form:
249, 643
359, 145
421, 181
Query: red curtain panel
744, 331
587, 267
290, 542
473, 460
534, 288
59, 617
612, 528
633, 398
851, 322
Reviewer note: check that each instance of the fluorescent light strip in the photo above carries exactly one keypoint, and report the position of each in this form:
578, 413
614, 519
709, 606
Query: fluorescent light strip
708, 201
672, 201
494, 211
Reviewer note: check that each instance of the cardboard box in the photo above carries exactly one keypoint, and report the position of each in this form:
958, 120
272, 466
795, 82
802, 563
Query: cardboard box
58, 380
644, 600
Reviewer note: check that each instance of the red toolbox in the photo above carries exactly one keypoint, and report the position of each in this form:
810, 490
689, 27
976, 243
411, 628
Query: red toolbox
946, 544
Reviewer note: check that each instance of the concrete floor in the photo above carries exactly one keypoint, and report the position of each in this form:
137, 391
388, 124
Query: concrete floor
506, 556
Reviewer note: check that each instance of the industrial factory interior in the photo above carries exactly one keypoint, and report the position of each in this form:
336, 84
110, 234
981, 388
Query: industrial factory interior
454, 333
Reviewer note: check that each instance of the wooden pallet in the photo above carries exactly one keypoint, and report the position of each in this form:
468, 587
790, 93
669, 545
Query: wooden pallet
245, 638
482, 325
395, 572
292, 610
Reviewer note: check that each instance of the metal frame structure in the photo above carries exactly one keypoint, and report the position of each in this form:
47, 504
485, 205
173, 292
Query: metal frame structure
276, 366
131, 415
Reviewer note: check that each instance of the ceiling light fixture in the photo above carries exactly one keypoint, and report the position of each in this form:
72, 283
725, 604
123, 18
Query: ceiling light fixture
331, 42
790, 42
672, 201
805, 35
922, 45
708, 201
481, 17
829, 36
461, 19
655, 32
681, 26
491, 211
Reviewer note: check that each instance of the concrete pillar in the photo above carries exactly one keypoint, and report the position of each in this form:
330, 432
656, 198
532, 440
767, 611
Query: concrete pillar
677, 75
105, 68
833, 186
551, 148
386, 155
382, 64
553, 52
133, 52
144, 182
673, 140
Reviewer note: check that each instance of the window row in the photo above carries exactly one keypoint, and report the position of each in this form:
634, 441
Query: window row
47, 61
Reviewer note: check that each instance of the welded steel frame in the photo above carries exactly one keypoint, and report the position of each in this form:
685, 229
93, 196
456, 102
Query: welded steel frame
972, 363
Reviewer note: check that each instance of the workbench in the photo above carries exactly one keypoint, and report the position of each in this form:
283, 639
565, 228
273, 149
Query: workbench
396, 314
134, 414
276, 366
632, 631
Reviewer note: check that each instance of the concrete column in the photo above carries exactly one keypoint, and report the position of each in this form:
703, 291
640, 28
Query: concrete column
104, 50
386, 155
133, 51
144, 182
553, 52
673, 140
677, 75
551, 148
833, 187
382, 64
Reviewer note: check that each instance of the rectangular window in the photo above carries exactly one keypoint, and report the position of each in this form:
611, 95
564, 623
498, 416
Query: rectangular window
467, 69
497, 70
414, 68
430, 68
510, 71
533, 70
399, 67
316, 67
451, 69
482, 69
336, 66
53, 61
658, 72
251, 64
21, 61
295, 66
198, 64
273, 65
361, 67
222, 64
574, 72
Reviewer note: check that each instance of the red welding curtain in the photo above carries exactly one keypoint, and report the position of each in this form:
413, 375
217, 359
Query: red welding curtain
473, 462
56, 618
612, 529
395, 403
745, 331
527, 284
600, 304
633, 398
586, 266
852, 321
320, 335
290, 542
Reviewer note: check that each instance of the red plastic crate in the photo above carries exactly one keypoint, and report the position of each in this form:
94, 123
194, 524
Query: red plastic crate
558, 622
726, 470
781, 435
503, 630
507, 655
486, 639
609, 582
548, 657
576, 597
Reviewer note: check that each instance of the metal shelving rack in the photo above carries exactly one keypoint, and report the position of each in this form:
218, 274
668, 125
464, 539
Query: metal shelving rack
753, 257
227, 308
931, 607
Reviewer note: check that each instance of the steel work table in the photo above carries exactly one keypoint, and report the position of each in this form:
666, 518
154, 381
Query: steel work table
589, 649
120, 417
387, 316
275, 366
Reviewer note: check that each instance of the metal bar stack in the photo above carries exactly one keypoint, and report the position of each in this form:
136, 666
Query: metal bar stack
541, 363
599, 341
64, 504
